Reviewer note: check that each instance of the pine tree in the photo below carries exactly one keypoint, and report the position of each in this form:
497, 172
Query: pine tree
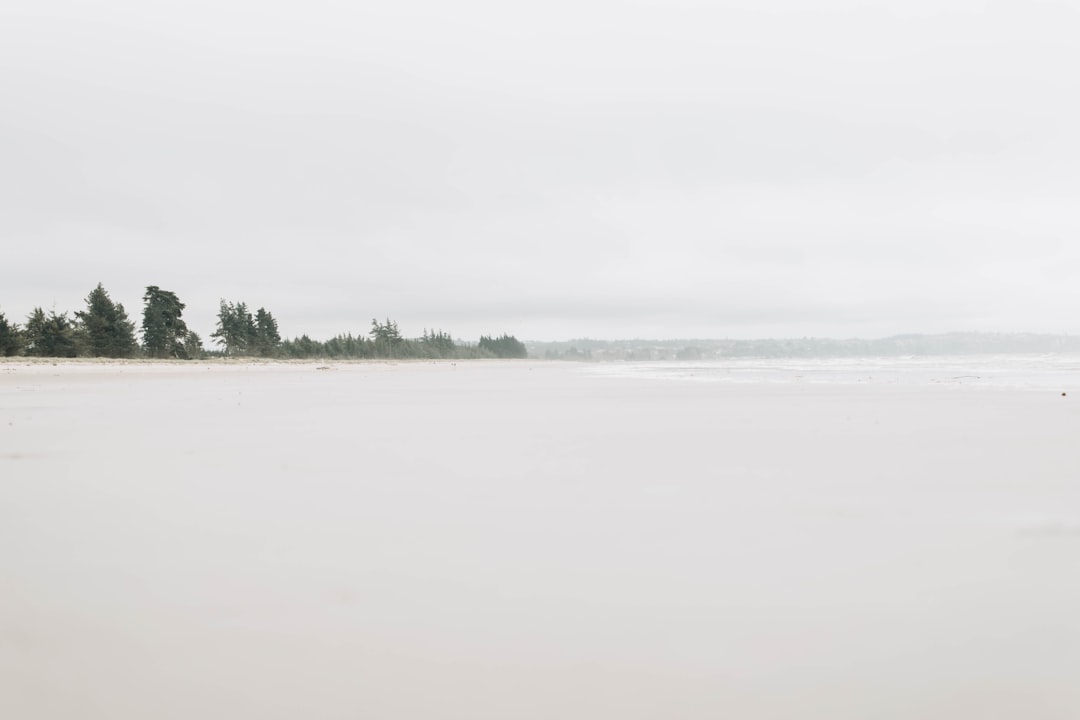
164, 331
438, 344
193, 347
51, 335
239, 333
267, 337
387, 337
107, 329
10, 337
229, 333
245, 327
504, 346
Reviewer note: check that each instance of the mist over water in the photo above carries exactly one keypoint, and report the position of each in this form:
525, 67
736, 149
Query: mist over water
536, 540
1042, 371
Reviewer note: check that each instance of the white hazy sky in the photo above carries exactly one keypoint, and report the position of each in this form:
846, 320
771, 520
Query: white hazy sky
549, 169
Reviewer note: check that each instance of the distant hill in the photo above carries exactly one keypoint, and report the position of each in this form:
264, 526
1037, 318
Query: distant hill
898, 345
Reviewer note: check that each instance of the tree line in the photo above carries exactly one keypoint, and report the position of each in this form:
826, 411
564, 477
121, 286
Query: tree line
103, 329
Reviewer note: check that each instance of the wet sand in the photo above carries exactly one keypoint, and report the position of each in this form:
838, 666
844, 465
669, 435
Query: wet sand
529, 540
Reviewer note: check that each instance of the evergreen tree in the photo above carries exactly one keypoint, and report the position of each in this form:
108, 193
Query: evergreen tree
61, 337
164, 331
34, 332
10, 337
245, 327
301, 347
267, 337
504, 346
241, 334
107, 329
51, 335
193, 347
387, 338
231, 332
437, 344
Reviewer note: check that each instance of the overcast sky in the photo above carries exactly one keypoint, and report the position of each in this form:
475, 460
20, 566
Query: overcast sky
549, 169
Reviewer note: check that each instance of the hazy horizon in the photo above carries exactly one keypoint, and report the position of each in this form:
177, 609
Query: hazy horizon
362, 329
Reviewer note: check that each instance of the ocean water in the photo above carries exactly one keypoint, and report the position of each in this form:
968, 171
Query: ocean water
1042, 371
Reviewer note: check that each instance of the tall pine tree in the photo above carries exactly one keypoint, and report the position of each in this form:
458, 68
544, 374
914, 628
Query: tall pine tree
267, 337
108, 331
164, 331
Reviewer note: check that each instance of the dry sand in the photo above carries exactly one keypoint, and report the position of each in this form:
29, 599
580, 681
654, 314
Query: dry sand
528, 540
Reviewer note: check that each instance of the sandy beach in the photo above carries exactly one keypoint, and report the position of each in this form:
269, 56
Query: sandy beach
530, 540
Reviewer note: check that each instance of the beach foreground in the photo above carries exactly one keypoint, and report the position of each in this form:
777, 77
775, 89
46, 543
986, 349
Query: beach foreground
530, 540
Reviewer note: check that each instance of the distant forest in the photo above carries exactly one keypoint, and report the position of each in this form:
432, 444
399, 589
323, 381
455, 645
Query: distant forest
103, 329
